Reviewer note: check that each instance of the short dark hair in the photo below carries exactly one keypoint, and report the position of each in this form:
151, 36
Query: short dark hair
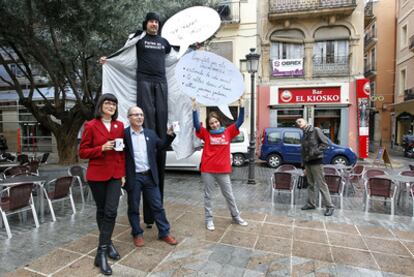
210, 116
106, 97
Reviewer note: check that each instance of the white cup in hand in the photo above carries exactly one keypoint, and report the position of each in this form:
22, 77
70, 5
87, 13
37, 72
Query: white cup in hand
119, 144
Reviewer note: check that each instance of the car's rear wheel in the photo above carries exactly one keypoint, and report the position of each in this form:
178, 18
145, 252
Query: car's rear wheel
340, 160
274, 160
238, 159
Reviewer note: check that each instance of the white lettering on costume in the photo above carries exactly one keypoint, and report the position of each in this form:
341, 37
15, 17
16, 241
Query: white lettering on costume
221, 140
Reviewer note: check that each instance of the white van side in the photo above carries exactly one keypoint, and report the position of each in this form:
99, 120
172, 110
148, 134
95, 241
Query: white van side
239, 148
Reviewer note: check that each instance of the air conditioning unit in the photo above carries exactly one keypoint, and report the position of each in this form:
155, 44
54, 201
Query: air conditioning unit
409, 94
411, 44
224, 11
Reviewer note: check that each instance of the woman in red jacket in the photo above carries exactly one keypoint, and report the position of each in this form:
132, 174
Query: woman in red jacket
215, 161
105, 173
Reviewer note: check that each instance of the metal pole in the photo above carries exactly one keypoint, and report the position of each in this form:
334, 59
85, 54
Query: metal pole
251, 180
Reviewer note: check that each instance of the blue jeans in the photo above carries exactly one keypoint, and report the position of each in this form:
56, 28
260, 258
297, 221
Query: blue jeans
146, 185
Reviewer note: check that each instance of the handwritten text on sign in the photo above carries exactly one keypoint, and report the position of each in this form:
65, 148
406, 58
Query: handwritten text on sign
194, 24
209, 78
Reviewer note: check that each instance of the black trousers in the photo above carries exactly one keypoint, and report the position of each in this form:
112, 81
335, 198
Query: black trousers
152, 98
106, 195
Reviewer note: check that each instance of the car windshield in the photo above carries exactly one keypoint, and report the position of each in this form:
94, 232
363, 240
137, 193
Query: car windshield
239, 138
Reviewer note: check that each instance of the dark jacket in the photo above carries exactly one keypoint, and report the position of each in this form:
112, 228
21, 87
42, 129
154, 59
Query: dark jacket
314, 143
154, 144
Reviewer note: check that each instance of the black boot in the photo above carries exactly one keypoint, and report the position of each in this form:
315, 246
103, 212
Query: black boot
101, 260
113, 253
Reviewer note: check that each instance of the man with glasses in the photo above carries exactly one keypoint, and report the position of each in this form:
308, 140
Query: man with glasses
314, 143
141, 147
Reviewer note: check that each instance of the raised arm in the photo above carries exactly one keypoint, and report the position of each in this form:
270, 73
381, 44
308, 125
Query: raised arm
240, 118
196, 121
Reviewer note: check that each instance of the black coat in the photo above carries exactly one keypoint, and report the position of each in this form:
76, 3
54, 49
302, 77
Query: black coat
154, 144
314, 143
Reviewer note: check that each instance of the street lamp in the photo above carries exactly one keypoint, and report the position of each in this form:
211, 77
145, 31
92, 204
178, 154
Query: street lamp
252, 65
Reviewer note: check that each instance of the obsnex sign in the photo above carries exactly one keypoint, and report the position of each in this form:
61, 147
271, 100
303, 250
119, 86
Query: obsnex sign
309, 95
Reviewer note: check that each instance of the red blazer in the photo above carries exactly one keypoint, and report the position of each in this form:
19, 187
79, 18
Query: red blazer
103, 165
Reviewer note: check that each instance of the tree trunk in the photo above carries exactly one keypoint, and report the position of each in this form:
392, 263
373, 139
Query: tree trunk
67, 146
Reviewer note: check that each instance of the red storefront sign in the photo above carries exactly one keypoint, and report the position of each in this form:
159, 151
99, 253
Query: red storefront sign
309, 95
363, 91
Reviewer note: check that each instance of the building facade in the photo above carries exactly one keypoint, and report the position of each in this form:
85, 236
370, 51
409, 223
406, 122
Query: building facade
237, 34
379, 68
312, 55
403, 116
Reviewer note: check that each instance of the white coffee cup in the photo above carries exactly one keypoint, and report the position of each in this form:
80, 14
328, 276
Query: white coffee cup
119, 144
175, 125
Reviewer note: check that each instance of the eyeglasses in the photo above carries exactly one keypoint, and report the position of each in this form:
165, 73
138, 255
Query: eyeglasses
136, 114
109, 103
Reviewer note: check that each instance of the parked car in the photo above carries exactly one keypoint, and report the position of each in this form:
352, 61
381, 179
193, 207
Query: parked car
239, 148
191, 163
282, 145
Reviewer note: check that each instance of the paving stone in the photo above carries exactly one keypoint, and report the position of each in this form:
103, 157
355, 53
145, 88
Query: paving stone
53, 261
393, 247
395, 264
277, 230
341, 228
354, 257
83, 267
276, 245
22, 273
345, 240
374, 231
314, 251
239, 239
310, 235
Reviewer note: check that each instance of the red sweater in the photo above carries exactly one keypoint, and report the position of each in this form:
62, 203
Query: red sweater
216, 152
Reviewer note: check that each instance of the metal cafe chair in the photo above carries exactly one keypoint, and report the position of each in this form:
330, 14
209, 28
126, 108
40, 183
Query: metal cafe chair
16, 171
286, 167
15, 199
382, 188
283, 181
62, 191
79, 172
336, 188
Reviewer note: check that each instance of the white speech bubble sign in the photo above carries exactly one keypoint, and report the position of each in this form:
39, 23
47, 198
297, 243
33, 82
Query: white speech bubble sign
191, 25
210, 79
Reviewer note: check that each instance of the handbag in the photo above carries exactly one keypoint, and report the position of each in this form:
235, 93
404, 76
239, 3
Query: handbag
302, 182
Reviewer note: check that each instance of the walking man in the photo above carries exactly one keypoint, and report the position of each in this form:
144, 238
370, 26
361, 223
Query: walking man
314, 142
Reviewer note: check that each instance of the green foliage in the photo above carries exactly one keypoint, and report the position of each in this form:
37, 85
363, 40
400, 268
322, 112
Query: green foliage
65, 38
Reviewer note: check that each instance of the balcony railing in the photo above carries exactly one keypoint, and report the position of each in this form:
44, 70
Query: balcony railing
330, 66
409, 94
229, 11
279, 8
369, 9
370, 69
370, 38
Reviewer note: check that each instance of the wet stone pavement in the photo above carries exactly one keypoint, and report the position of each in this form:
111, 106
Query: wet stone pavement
279, 240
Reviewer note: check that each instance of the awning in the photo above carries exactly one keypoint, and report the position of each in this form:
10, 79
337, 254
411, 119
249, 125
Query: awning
406, 106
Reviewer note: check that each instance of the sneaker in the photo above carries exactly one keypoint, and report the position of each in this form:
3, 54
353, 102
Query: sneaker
210, 225
240, 221
308, 207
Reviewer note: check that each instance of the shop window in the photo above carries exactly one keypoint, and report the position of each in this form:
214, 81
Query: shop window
291, 138
287, 117
402, 81
404, 37
274, 137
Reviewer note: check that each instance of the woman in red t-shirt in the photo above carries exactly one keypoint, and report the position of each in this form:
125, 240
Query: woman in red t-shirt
215, 162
